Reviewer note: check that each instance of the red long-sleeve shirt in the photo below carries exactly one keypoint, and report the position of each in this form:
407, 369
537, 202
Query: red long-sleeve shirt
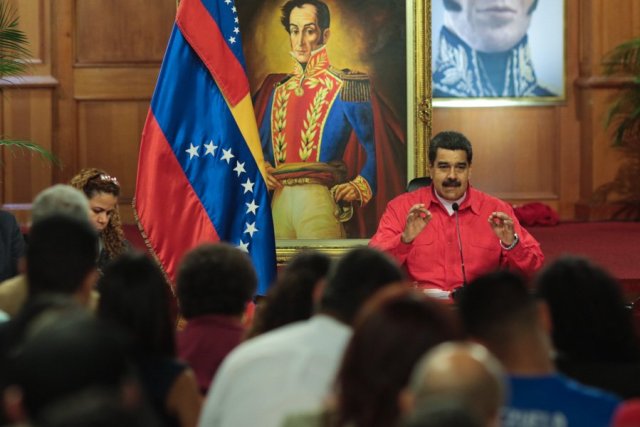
433, 260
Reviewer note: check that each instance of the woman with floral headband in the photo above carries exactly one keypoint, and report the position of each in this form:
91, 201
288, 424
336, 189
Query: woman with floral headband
103, 190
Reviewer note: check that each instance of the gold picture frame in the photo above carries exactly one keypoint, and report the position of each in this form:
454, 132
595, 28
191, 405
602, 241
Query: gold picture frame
417, 41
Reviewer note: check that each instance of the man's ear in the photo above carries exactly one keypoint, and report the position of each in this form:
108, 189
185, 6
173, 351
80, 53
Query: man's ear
325, 35
13, 404
88, 284
406, 401
318, 290
544, 317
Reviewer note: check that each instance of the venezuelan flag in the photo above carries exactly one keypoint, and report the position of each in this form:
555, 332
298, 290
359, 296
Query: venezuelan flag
200, 170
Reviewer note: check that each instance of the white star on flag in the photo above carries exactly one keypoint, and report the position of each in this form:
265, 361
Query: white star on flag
227, 1
233, 9
235, 19
252, 207
227, 155
211, 149
244, 247
239, 168
232, 40
193, 151
248, 186
236, 30
251, 228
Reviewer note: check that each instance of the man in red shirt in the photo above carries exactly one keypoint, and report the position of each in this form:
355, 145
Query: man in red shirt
449, 233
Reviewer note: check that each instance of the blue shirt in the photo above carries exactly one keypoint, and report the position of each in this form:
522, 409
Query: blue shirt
556, 401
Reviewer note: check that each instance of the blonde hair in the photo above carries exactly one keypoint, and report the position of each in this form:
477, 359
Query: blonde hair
92, 181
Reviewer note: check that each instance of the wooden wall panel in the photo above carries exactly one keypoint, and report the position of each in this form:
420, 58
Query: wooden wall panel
26, 115
506, 143
109, 138
122, 31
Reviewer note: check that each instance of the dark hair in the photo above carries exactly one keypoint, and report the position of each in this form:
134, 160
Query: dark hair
215, 279
62, 251
70, 353
393, 330
454, 6
322, 11
494, 304
291, 298
134, 296
357, 276
449, 140
589, 317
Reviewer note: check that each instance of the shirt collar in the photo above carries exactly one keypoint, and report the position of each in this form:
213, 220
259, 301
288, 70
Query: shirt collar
467, 201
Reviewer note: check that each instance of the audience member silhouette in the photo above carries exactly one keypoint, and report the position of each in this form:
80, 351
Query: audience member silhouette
66, 352
12, 245
395, 328
592, 331
498, 311
458, 371
291, 368
133, 296
215, 282
291, 298
59, 199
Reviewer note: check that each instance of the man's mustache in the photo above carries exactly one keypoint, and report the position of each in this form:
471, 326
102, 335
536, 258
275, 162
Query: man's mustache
451, 183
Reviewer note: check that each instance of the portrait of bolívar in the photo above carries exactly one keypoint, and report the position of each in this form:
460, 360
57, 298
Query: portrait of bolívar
328, 81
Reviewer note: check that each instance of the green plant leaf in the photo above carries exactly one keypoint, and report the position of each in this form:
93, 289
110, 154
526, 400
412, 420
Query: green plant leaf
32, 147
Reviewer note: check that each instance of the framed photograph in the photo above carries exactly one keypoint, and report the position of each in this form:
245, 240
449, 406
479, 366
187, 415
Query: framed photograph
498, 53
342, 93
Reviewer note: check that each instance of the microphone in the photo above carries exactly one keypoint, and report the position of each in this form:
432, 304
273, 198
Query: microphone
455, 207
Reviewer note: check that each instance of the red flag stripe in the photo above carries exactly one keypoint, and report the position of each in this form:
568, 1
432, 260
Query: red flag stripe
204, 36
179, 209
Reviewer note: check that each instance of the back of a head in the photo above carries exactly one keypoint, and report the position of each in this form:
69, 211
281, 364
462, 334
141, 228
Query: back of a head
355, 278
394, 328
60, 199
496, 307
134, 296
73, 353
462, 371
589, 317
62, 251
291, 298
215, 279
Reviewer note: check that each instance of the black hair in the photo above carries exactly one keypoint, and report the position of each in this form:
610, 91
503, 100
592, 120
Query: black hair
590, 320
322, 11
357, 276
72, 352
135, 296
215, 279
450, 140
62, 251
496, 302
291, 298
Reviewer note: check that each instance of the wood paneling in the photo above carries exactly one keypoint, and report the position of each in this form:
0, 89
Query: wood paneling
109, 138
122, 31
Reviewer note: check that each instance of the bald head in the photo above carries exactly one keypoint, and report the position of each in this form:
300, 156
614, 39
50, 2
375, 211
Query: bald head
462, 371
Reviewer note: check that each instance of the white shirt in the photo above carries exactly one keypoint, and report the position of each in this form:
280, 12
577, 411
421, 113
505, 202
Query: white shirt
288, 370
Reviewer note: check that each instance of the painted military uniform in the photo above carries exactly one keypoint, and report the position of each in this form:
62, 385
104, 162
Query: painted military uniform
461, 71
309, 119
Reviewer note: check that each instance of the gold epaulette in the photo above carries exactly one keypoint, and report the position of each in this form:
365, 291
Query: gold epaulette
355, 87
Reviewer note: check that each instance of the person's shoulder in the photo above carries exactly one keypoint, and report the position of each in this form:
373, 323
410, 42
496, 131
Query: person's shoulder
588, 393
356, 86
